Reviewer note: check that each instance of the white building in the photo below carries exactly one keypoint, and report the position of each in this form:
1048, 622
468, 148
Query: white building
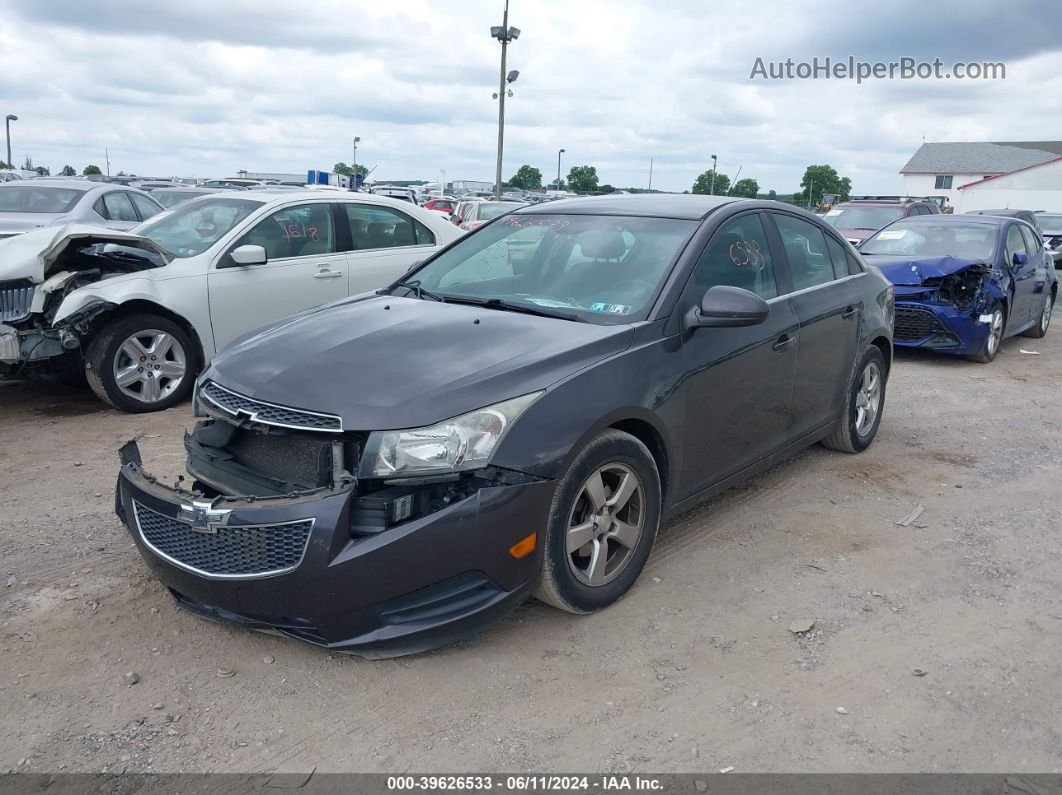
940, 169
1036, 187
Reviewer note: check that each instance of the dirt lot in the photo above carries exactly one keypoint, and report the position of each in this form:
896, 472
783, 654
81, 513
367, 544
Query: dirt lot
695, 670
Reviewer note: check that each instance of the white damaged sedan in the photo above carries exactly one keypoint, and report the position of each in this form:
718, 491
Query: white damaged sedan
142, 312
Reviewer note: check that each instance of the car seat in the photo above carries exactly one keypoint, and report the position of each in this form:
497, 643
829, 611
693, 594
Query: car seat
270, 235
403, 235
319, 220
378, 235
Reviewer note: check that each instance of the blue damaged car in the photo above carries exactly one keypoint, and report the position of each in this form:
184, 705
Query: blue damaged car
965, 282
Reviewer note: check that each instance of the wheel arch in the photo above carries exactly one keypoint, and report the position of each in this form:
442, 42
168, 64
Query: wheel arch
646, 433
138, 306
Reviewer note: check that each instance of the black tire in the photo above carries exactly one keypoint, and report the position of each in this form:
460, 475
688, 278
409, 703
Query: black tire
993, 343
559, 585
102, 361
1044, 321
853, 434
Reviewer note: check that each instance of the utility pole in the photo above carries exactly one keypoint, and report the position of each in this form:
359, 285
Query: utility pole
711, 190
354, 167
7, 123
107, 158
559, 153
504, 34
650, 174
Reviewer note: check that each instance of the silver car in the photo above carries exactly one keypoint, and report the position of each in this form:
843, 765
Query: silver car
33, 204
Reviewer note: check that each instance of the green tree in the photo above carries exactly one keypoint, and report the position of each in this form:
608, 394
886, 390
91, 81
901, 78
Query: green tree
703, 183
526, 178
89, 170
606, 188
819, 180
5, 165
582, 179
748, 188
43, 171
772, 195
28, 165
68, 171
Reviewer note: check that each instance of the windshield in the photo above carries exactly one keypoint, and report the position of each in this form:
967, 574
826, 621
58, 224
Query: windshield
603, 269
193, 227
489, 210
862, 217
38, 199
171, 198
921, 239
1050, 222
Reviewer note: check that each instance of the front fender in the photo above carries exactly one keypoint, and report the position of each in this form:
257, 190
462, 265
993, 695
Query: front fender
110, 291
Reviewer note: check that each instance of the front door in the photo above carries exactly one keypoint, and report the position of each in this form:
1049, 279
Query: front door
828, 304
384, 244
302, 270
739, 381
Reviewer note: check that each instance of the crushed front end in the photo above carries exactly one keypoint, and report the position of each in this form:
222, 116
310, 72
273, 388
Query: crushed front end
275, 531
947, 313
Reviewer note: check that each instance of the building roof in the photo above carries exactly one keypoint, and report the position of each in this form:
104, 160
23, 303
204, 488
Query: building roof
979, 157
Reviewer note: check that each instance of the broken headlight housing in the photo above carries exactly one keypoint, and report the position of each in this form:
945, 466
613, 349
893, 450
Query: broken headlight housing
456, 445
962, 288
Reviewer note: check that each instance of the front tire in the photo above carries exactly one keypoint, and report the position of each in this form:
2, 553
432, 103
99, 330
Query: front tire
1040, 329
602, 524
863, 406
995, 336
141, 363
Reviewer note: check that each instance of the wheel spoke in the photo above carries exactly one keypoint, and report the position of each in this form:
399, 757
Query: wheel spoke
626, 488
151, 391
595, 572
626, 533
174, 370
133, 348
128, 376
595, 491
161, 344
579, 536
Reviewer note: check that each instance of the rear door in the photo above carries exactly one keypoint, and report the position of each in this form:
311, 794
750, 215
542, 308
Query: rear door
303, 269
381, 244
1041, 265
739, 381
828, 305
1024, 276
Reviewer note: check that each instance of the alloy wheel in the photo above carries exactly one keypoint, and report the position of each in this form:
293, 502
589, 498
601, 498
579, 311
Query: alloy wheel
150, 365
605, 524
1045, 316
995, 332
868, 399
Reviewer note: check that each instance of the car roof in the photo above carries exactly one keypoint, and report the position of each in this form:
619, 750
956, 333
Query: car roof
1003, 213
690, 206
947, 218
72, 184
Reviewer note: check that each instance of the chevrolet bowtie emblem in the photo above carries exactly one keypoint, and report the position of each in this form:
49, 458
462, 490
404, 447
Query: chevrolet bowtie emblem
203, 517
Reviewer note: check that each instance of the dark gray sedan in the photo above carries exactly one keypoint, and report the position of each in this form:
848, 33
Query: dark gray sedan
518, 415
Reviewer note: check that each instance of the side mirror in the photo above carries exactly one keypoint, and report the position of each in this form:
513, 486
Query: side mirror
249, 255
727, 307
1020, 259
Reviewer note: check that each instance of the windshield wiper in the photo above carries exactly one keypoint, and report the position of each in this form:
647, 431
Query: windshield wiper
511, 306
418, 291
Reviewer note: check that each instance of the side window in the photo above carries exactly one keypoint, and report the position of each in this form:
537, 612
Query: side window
300, 231
854, 268
839, 255
1032, 245
373, 227
1015, 243
118, 207
101, 209
942, 182
805, 247
738, 256
144, 207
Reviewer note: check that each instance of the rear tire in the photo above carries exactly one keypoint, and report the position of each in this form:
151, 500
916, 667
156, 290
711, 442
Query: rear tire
602, 524
995, 336
1040, 329
141, 363
863, 406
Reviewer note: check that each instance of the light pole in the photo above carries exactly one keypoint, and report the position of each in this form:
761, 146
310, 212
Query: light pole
354, 167
7, 123
559, 153
504, 34
711, 190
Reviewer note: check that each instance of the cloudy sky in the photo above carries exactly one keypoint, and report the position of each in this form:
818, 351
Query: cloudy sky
208, 87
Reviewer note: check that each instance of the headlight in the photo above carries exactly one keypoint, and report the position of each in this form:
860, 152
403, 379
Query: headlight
456, 445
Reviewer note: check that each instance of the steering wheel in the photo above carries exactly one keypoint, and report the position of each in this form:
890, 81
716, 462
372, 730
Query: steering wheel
646, 286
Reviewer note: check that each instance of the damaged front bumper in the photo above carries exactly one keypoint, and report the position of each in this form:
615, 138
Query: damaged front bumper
298, 565
940, 327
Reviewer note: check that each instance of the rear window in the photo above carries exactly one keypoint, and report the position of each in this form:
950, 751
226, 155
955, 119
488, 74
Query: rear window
489, 210
38, 199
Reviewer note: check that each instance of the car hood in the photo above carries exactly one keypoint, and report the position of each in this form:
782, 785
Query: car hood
855, 234
31, 255
383, 362
911, 272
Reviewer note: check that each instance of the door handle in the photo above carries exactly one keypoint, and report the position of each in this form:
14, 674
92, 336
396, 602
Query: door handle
327, 274
783, 343
848, 313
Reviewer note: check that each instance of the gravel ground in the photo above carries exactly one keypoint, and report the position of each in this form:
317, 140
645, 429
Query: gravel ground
934, 646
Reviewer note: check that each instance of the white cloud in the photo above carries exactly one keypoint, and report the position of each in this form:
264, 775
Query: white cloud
206, 88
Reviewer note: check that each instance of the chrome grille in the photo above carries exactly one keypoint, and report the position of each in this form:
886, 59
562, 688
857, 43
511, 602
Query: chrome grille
233, 404
15, 300
228, 553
